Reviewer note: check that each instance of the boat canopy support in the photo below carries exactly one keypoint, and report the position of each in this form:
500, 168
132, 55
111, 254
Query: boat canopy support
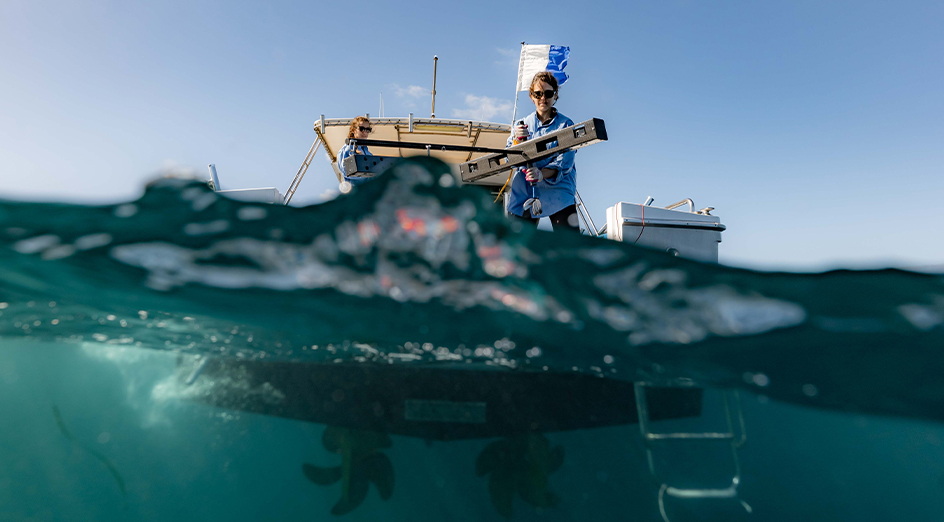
428, 146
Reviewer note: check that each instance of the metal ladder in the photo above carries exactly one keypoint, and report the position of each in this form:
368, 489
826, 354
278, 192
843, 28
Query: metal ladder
302, 170
584, 215
734, 417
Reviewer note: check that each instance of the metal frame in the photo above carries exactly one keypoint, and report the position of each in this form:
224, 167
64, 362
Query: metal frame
569, 138
361, 166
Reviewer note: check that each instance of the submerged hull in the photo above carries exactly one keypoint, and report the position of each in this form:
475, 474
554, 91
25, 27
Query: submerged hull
439, 403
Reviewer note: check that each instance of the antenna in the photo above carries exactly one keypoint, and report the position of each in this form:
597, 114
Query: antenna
433, 111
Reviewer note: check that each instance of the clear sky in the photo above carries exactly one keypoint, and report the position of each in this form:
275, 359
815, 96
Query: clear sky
815, 128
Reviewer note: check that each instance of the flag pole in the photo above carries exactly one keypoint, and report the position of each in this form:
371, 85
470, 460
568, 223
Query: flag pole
514, 112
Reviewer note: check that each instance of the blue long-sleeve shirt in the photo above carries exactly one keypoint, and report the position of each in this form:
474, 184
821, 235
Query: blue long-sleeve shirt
555, 194
346, 151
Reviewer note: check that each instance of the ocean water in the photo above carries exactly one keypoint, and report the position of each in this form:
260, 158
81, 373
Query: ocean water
406, 353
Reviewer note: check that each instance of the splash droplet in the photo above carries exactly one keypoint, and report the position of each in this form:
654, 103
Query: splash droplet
761, 379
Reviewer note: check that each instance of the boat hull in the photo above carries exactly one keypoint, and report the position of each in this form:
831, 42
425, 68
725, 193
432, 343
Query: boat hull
439, 403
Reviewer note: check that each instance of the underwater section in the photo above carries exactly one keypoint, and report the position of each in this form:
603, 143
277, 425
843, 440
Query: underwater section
407, 352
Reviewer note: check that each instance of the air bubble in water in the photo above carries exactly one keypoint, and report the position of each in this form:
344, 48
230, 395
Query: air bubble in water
251, 213
126, 210
36, 244
91, 241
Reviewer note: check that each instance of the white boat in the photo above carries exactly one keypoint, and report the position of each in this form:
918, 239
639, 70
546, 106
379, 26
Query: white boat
475, 152
678, 229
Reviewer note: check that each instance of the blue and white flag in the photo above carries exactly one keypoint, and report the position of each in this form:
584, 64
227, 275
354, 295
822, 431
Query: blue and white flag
537, 58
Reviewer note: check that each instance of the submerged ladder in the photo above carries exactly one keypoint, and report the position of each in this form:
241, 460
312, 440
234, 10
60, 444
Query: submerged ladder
734, 434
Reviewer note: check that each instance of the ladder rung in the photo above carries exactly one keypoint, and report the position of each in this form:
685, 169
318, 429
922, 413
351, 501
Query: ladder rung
689, 436
728, 492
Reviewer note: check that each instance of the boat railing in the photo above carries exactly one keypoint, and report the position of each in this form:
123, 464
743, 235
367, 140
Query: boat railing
677, 204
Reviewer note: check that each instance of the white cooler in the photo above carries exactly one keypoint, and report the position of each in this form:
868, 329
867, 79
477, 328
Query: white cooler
689, 234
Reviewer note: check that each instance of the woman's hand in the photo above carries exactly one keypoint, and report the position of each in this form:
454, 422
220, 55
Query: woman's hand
533, 175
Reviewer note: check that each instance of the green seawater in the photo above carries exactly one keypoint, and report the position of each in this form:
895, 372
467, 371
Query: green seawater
406, 353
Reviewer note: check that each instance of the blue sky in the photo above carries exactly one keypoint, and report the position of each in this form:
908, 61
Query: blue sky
815, 128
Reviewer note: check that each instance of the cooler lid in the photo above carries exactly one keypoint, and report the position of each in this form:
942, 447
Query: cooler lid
634, 214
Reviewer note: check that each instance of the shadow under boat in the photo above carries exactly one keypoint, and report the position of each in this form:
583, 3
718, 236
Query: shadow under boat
434, 403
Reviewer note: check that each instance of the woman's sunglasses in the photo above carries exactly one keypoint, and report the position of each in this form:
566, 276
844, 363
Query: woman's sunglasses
537, 95
365, 129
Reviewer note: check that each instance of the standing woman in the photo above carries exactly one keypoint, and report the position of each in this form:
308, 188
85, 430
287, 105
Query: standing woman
554, 179
360, 129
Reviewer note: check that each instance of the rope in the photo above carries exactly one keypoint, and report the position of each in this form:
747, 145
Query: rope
643, 224
510, 175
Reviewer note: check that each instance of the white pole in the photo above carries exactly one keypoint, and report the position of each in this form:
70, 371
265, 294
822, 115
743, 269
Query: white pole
433, 111
514, 112
214, 177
